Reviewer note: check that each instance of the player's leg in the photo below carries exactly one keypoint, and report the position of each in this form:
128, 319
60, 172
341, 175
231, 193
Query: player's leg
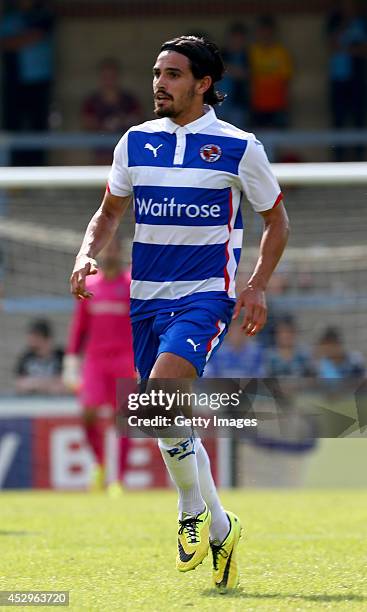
92, 398
186, 338
93, 432
195, 336
94, 436
120, 366
178, 453
179, 456
225, 528
146, 346
220, 525
202, 329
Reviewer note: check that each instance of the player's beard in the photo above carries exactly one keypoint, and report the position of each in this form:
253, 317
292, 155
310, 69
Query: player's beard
165, 112
173, 110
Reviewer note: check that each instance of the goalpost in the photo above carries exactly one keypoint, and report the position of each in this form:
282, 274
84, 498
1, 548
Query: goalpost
321, 279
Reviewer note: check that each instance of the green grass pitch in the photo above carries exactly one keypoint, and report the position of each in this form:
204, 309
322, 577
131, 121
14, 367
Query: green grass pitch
300, 551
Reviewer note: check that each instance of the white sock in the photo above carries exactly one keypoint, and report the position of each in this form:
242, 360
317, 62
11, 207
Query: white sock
219, 526
180, 459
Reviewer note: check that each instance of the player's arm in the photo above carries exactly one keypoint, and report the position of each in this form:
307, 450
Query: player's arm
252, 297
100, 230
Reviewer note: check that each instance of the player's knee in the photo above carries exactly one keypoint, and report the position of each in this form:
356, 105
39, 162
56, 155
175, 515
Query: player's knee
169, 365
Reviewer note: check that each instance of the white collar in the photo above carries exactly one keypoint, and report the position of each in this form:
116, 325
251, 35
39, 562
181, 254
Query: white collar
195, 126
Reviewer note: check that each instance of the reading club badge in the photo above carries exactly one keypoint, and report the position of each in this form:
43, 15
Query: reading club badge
210, 153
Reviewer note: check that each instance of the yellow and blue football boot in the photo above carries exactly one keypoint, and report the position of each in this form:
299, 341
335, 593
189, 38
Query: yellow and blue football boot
225, 564
193, 540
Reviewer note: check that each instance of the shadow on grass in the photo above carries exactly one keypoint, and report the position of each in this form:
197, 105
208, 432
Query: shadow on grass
322, 597
4, 532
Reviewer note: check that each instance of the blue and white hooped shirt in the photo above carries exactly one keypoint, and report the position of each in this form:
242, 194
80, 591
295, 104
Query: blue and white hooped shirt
187, 183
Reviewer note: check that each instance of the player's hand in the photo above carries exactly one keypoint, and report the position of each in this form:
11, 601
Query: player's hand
84, 266
254, 302
70, 374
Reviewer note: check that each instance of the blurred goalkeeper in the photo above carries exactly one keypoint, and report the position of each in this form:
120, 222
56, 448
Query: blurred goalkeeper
101, 332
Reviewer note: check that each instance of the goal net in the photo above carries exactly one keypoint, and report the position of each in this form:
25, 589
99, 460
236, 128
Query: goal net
321, 279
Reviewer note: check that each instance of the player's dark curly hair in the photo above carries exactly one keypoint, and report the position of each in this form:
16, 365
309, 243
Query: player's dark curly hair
205, 60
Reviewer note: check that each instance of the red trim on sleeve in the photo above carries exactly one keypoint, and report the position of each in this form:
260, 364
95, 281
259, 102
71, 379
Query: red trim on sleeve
108, 188
226, 275
278, 200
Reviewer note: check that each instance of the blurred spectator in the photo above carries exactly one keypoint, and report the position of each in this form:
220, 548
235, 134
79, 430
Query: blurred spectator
347, 37
279, 285
38, 369
239, 357
235, 84
110, 108
334, 360
288, 357
26, 40
279, 455
271, 70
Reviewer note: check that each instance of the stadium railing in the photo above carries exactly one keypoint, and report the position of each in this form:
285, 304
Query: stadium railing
300, 174
289, 139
